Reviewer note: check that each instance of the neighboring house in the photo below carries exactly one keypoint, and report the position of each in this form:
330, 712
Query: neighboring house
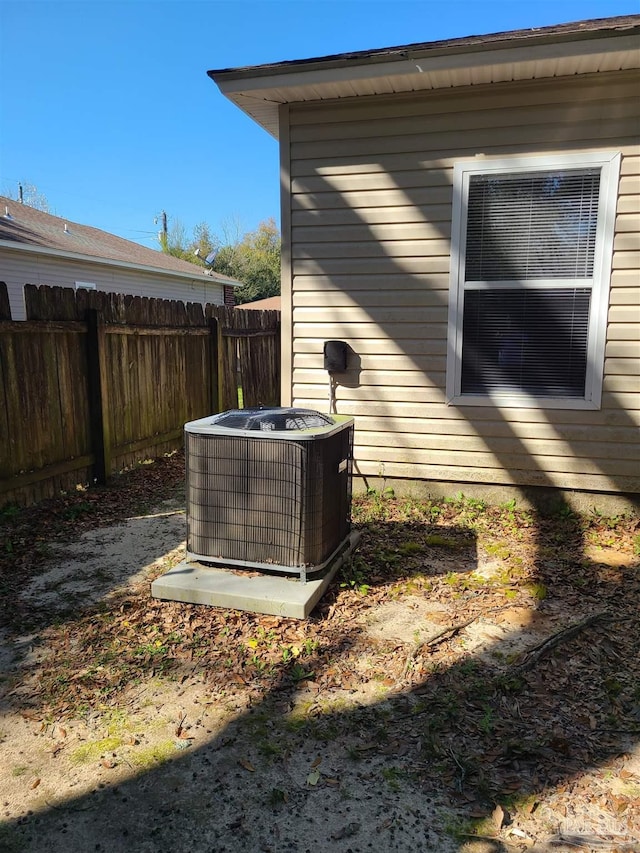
272, 303
465, 214
38, 248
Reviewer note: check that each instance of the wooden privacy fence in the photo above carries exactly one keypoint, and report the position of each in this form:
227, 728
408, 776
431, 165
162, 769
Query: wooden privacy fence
93, 382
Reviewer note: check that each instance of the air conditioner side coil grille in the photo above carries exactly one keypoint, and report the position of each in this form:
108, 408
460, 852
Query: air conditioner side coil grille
284, 503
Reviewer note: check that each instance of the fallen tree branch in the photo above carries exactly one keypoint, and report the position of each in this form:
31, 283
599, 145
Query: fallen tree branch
450, 631
445, 634
533, 655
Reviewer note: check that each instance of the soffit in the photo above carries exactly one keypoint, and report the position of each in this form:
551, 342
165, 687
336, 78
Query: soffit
260, 90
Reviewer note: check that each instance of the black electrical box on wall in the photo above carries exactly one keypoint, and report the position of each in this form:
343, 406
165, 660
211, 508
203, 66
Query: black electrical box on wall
335, 356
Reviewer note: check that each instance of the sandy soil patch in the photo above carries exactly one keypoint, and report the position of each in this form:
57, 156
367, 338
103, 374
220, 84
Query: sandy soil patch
393, 720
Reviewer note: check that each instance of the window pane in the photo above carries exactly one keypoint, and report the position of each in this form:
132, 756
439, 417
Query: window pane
526, 341
530, 226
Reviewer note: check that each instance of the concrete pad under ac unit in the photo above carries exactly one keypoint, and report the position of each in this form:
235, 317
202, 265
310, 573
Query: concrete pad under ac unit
275, 595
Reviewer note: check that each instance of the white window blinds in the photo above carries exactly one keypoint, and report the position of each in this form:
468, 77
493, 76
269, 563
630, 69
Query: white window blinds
532, 226
526, 340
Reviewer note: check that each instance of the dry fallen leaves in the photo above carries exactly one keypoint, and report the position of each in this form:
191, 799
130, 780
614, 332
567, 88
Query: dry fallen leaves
481, 730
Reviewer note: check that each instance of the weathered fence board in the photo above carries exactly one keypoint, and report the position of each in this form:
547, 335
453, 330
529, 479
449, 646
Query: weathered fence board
94, 381
98, 396
5, 307
250, 340
260, 359
43, 425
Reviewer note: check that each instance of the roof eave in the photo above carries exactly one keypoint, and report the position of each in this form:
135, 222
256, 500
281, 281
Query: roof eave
216, 278
259, 90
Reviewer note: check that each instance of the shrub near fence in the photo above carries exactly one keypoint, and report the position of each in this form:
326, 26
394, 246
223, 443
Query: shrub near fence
93, 382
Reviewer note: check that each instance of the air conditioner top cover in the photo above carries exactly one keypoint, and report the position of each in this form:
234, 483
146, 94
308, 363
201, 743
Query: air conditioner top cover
272, 422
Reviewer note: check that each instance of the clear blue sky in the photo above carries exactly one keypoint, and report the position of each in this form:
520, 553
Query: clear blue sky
107, 109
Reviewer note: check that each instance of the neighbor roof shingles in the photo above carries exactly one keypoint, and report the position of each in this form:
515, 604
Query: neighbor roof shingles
28, 226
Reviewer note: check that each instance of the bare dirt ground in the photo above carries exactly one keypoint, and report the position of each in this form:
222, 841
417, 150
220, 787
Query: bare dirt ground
471, 682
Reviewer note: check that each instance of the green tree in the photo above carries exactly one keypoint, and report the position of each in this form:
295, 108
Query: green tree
254, 260
194, 249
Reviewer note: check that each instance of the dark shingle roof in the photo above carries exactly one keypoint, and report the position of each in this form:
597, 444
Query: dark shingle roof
592, 27
27, 226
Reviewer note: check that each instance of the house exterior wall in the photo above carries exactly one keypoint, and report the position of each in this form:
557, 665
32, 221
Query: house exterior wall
19, 268
367, 210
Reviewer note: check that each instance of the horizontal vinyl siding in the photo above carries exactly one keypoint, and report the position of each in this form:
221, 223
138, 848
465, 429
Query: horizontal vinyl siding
370, 225
18, 269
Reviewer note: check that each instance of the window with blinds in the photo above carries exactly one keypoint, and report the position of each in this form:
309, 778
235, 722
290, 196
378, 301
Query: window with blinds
531, 262
524, 227
526, 340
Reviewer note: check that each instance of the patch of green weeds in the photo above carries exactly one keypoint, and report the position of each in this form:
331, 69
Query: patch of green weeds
500, 550
459, 828
9, 512
392, 776
463, 502
93, 750
390, 558
19, 770
486, 724
509, 506
469, 510
298, 717
354, 575
373, 506
517, 566
277, 797
300, 673
510, 684
468, 667
613, 687
537, 590
153, 649
522, 803
258, 663
417, 583
269, 749
437, 540
71, 513
565, 511
266, 637
509, 516
151, 756
409, 548
309, 646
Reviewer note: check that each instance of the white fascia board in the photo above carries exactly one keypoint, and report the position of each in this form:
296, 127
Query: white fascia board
420, 61
109, 262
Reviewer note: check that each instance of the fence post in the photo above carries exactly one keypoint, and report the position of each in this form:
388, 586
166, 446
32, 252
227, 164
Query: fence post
98, 397
5, 308
215, 366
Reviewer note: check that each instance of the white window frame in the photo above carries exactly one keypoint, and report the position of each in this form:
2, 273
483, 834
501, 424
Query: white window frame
85, 285
609, 163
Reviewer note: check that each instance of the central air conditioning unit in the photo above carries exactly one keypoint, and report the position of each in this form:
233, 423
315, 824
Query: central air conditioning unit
269, 489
